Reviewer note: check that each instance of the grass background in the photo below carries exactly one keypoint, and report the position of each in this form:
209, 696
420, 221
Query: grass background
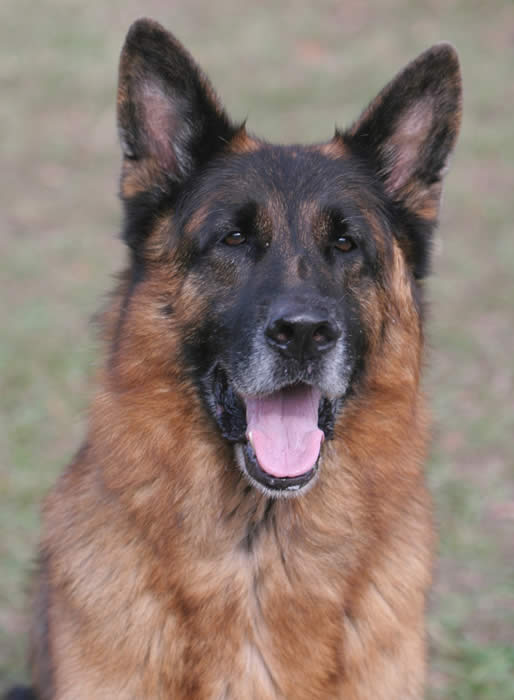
294, 68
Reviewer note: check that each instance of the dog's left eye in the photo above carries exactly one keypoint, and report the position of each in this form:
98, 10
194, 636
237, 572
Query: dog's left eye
234, 238
344, 244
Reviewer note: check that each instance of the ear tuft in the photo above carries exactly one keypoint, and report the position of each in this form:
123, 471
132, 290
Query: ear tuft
406, 135
409, 130
169, 118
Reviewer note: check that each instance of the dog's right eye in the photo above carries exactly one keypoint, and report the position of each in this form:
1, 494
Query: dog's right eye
234, 238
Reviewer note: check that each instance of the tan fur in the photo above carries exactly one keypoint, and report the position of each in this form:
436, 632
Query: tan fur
244, 143
333, 149
137, 178
197, 219
151, 590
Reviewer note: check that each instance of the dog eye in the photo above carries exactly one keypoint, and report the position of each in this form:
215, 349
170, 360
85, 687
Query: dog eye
234, 238
344, 244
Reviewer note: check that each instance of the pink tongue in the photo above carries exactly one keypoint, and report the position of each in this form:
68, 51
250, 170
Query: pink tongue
283, 430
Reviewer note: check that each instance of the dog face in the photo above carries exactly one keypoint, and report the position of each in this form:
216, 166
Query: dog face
285, 255
281, 255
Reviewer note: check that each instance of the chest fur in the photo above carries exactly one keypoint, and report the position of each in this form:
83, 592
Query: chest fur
266, 629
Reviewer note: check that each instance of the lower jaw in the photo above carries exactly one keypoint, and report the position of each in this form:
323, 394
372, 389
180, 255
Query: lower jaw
276, 487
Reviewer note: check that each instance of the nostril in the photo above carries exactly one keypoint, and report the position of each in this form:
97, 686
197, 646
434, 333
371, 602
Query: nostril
324, 333
281, 332
320, 335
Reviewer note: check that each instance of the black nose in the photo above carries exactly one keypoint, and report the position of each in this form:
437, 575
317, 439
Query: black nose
301, 334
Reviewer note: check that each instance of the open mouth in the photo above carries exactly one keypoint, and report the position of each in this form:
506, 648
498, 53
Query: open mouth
281, 434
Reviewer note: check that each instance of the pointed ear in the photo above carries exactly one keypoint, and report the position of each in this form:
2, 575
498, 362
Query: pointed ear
409, 130
169, 118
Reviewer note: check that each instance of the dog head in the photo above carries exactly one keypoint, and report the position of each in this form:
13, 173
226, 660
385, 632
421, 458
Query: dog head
279, 258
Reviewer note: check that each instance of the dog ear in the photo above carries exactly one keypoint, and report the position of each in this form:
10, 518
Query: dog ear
169, 118
407, 134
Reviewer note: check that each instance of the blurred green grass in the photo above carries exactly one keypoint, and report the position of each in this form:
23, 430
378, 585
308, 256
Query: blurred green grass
294, 69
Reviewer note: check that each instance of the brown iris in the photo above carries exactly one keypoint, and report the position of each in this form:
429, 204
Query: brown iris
344, 244
235, 238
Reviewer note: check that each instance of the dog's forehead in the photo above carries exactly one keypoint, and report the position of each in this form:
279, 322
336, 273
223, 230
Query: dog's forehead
289, 180
291, 193
291, 171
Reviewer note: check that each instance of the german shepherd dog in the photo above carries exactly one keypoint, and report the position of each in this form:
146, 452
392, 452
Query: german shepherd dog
247, 517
